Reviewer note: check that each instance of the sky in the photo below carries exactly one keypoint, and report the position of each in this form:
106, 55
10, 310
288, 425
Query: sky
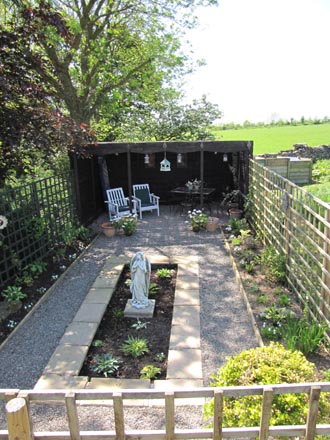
266, 59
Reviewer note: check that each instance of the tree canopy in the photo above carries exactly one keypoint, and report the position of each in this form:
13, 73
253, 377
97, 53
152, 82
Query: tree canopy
98, 63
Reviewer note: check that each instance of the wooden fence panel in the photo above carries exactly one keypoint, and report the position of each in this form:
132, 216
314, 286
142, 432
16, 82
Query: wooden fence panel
297, 225
20, 426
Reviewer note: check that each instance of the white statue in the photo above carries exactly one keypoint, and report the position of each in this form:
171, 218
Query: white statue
140, 273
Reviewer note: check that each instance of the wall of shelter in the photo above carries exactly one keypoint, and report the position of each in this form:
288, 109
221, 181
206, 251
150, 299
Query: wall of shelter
297, 224
217, 173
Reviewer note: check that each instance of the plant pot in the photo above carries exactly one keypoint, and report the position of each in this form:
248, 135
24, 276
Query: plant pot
236, 213
108, 229
212, 224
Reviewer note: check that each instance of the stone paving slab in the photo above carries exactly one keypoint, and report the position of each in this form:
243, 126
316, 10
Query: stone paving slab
67, 360
187, 316
91, 312
79, 333
184, 364
106, 281
187, 282
182, 337
57, 381
186, 297
101, 296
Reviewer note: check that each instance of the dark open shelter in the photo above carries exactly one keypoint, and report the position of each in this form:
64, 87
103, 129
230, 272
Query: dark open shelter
223, 165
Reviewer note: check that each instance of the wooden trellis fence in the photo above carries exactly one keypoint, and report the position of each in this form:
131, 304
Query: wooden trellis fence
297, 224
37, 214
20, 417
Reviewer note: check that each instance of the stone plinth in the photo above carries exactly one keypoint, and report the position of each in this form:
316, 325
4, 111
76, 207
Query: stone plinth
132, 312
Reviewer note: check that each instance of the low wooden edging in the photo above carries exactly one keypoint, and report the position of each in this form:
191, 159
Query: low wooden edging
20, 426
243, 292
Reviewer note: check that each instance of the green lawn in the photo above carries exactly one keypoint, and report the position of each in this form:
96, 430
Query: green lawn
275, 139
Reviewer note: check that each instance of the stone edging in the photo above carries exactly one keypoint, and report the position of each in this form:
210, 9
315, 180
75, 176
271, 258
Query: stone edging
184, 358
47, 294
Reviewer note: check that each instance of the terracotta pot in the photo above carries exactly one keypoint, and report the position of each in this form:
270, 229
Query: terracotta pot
235, 213
212, 224
108, 229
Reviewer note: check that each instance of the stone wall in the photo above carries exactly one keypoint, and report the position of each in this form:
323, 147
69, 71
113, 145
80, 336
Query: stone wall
303, 150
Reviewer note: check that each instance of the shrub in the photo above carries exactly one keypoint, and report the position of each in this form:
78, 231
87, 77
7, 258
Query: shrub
271, 364
149, 372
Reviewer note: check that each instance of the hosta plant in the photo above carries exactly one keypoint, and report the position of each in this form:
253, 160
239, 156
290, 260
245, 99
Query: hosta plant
135, 347
106, 364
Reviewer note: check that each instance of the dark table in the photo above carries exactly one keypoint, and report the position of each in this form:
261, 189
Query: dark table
190, 197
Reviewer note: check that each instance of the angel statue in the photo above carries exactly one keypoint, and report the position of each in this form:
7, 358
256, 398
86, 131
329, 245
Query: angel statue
140, 273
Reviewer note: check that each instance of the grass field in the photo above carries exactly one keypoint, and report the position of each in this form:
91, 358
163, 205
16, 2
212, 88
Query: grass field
275, 139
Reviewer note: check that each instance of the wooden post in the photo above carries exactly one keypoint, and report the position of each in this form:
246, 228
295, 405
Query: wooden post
266, 413
169, 415
18, 420
326, 265
312, 412
118, 409
129, 177
202, 176
217, 414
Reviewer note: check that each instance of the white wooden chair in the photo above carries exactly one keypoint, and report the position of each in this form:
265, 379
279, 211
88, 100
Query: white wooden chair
118, 204
146, 201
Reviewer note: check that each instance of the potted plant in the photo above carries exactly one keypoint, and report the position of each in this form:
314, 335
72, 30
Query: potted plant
128, 224
109, 229
212, 224
233, 202
198, 219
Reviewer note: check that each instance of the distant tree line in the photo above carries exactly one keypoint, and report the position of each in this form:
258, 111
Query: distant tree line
275, 123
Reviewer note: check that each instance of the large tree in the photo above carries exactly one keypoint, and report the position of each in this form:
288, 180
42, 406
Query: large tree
32, 127
110, 55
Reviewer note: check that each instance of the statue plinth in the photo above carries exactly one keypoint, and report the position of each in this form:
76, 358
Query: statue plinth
134, 312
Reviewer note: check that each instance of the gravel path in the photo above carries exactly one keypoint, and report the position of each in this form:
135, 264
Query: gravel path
225, 326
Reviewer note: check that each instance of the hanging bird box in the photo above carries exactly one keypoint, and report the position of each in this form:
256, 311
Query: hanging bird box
165, 165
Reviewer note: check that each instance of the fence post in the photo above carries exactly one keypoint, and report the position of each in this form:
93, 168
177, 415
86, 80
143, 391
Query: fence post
326, 266
18, 420
312, 412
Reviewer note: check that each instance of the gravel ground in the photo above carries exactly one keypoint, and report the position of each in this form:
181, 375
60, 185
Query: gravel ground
225, 325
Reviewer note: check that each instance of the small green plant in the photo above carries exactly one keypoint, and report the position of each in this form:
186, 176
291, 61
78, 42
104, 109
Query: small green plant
36, 268
118, 314
164, 273
249, 267
253, 288
284, 300
271, 332
236, 241
13, 293
97, 343
299, 334
135, 347
106, 364
273, 265
153, 289
159, 357
275, 315
262, 299
149, 372
139, 325
69, 234
127, 224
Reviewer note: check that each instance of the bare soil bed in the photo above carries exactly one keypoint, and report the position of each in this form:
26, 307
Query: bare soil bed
60, 259
115, 329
